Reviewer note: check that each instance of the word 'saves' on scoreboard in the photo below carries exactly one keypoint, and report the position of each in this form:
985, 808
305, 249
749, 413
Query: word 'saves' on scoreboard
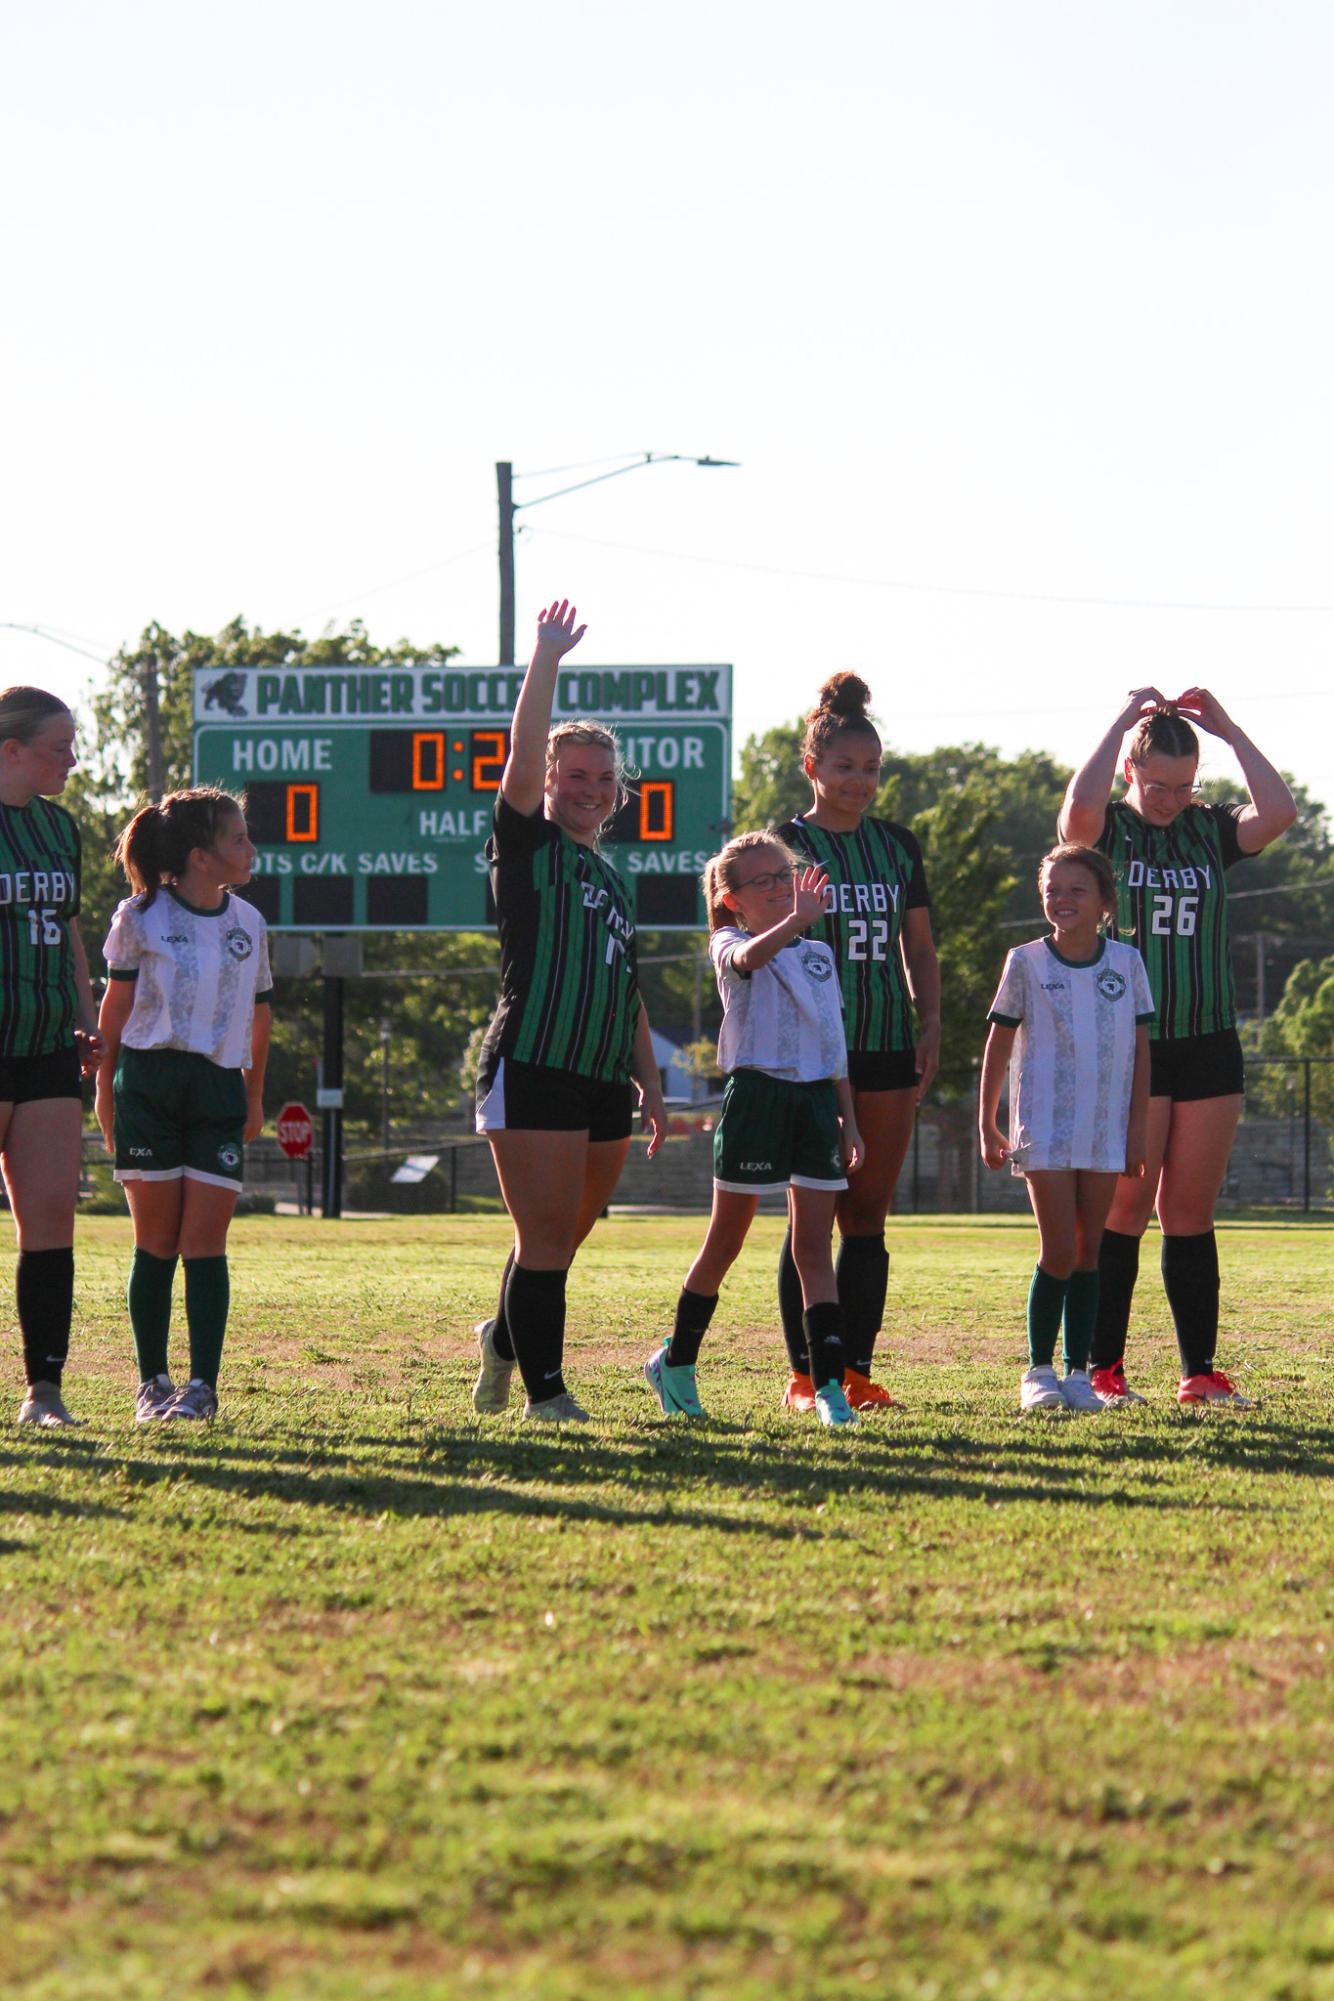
369, 791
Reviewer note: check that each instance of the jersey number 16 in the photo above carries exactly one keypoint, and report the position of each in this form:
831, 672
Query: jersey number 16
43, 928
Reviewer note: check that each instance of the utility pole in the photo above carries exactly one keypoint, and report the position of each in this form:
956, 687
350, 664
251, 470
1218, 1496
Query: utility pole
153, 729
505, 502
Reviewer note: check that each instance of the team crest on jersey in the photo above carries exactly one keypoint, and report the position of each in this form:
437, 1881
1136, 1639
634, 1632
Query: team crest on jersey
238, 943
229, 1156
816, 965
1111, 985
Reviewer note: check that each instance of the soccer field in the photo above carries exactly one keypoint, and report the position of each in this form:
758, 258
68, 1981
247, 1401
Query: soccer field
355, 1695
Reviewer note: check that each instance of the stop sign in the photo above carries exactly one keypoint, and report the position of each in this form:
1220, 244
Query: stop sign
296, 1131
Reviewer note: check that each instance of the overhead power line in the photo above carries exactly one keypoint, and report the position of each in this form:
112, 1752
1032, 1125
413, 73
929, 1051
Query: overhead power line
925, 590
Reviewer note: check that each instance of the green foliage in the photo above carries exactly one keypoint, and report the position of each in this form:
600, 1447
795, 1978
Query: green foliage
351, 1696
1301, 1025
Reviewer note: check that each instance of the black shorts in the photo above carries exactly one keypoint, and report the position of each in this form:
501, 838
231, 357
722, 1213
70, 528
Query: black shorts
24, 1079
1187, 1067
882, 1069
533, 1098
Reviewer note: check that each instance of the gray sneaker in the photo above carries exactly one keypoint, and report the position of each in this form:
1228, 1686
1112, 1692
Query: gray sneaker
43, 1405
152, 1398
197, 1399
491, 1391
1040, 1388
1078, 1393
557, 1410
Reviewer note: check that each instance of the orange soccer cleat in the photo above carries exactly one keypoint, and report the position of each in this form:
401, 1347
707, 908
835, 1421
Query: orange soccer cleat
865, 1394
800, 1393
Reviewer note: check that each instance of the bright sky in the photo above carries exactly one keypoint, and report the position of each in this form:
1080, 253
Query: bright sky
1018, 317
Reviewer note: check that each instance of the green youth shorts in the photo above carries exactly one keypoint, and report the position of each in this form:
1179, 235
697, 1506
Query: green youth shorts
772, 1134
178, 1115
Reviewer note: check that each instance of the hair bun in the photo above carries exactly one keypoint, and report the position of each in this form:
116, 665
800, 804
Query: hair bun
845, 694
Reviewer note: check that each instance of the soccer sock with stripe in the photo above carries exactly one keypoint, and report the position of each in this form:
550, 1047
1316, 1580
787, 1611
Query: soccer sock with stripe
694, 1311
535, 1312
149, 1299
1190, 1278
1118, 1268
1081, 1310
790, 1307
208, 1293
500, 1333
862, 1271
44, 1293
824, 1342
1046, 1302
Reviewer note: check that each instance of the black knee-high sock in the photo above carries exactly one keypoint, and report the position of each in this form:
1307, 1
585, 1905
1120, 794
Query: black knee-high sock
44, 1290
790, 1307
862, 1272
1190, 1279
500, 1333
694, 1311
535, 1312
1118, 1268
824, 1342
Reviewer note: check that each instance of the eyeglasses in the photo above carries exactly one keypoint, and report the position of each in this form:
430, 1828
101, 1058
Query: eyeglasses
1159, 793
771, 880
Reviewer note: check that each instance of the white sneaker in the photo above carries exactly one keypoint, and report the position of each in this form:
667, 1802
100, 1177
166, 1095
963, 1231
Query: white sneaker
557, 1410
152, 1398
1078, 1393
42, 1405
491, 1391
1040, 1389
198, 1399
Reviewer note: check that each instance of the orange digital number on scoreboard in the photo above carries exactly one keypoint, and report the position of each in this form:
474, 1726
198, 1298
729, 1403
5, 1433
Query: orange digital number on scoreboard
488, 759
656, 799
303, 812
428, 761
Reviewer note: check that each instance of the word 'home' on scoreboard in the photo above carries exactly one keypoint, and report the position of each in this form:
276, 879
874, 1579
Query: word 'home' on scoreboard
369, 790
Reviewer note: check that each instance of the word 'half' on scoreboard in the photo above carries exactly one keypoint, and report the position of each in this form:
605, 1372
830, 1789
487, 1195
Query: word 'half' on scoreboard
369, 790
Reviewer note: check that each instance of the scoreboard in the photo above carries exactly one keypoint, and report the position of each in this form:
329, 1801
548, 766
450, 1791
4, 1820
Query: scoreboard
369, 790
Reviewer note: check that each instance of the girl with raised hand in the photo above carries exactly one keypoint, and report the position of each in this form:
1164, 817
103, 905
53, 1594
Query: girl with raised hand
877, 923
1070, 1019
554, 1087
185, 1018
787, 1120
1171, 856
48, 1037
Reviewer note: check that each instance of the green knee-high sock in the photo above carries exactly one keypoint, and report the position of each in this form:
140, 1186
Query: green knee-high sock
1081, 1314
149, 1296
207, 1297
1046, 1298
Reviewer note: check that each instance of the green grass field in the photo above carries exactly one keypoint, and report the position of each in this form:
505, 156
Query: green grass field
353, 1695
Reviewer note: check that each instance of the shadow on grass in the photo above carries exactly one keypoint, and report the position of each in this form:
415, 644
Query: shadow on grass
654, 1481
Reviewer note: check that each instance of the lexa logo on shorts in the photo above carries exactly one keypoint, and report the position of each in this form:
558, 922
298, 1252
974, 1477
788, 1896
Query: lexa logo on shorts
1110, 984
141, 1153
757, 1167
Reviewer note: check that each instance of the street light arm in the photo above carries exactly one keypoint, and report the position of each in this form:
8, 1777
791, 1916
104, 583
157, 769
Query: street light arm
649, 459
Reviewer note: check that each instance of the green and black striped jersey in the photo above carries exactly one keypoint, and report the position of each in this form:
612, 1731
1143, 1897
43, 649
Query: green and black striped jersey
40, 865
1172, 906
569, 983
876, 875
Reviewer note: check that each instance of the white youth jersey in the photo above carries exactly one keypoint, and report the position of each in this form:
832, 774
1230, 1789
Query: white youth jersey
197, 975
785, 1019
1073, 1061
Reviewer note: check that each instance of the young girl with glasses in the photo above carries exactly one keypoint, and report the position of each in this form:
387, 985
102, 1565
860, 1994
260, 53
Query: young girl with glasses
787, 1120
1171, 858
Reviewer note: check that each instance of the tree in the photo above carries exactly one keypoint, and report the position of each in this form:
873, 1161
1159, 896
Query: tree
1302, 1025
